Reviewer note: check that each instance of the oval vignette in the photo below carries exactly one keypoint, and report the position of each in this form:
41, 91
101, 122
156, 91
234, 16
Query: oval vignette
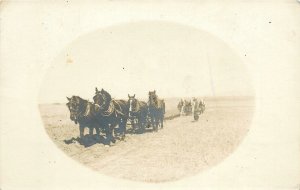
178, 62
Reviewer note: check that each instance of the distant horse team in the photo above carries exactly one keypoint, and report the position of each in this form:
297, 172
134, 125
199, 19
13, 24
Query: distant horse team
192, 107
106, 113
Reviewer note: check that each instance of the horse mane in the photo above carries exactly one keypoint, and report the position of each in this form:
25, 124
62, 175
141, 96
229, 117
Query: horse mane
84, 106
138, 105
106, 96
155, 99
109, 105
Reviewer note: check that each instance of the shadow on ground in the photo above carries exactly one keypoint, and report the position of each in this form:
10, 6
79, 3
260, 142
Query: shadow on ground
90, 140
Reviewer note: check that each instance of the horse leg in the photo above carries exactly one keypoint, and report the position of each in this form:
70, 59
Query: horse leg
97, 128
91, 130
132, 124
81, 134
156, 122
112, 132
123, 127
139, 121
153, 122
108, 134
81, 131
142, 122
162, 120
148, 121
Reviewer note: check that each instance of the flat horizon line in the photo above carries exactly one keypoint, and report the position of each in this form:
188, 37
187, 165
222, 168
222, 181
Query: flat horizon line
176, 97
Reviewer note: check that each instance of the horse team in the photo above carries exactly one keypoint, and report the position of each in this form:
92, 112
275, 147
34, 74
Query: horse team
106, 113
193, 107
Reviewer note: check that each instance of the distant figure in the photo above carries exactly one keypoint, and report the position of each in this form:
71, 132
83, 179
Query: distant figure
194, 104
202, 103
201, 106
183, 104
198, 108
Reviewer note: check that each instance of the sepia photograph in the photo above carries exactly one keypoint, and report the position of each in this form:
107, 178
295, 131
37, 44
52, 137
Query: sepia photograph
158, 94
149, 95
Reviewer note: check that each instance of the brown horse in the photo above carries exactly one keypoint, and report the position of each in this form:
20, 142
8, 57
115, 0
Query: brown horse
113, 112
156, 108
84, 113
138, 111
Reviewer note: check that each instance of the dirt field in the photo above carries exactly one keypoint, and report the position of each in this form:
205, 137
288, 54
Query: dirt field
182, 148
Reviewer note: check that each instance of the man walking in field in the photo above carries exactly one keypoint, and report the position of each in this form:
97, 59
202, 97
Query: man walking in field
182, 107
202, 106
194, 105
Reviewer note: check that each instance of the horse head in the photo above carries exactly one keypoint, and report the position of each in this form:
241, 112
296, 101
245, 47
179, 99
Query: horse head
152, 97
75, 104
102, 98
132, 104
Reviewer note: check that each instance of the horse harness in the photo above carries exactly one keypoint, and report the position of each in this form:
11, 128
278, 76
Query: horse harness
137, 108
86, 113
112, 109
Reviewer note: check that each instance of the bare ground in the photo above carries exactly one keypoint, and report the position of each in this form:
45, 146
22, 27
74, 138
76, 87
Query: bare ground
182, 148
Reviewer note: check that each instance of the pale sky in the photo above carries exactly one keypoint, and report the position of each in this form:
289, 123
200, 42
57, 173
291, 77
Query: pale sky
134, 58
